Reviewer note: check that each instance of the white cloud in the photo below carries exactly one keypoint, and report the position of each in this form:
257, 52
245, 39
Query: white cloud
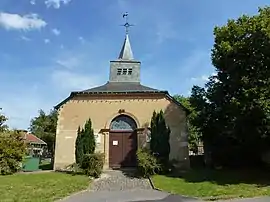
33, 2
69, 63
71, 81
17, 22
201, 78
46, 41
56, 32
24, 38
81, 39
56, 3
165, 30
20, 113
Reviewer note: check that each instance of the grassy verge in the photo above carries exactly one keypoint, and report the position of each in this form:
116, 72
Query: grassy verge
213, 184
43, 187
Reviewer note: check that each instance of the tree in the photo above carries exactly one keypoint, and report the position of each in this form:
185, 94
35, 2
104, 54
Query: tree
234, 107
89, 138
194, 135
44, 127
12, 151
3, 119
160, 138
79, 147
85, 142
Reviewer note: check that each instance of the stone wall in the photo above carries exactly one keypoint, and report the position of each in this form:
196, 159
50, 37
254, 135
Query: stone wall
102, 109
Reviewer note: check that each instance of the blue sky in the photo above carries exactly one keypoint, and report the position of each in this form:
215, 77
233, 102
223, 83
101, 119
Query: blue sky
52, 47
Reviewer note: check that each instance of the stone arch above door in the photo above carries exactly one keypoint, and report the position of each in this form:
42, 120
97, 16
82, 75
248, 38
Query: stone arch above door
123, 122
115, 115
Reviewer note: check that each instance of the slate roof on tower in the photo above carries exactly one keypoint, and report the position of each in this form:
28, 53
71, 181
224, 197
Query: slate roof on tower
126, 51
124, 74
124, 78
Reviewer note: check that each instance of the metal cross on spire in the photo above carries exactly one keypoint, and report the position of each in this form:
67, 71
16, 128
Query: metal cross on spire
126, 25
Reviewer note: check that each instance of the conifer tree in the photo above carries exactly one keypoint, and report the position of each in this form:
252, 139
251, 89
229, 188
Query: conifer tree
88, 138
79, 146
164, 138
160, 137
85, 141
153, 140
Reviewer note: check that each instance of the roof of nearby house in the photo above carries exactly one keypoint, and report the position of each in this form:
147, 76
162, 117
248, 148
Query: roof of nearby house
30, 138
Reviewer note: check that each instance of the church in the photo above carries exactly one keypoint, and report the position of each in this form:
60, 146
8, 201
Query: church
120, 111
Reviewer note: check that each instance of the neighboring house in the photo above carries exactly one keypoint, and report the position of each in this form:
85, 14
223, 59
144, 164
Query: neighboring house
120, 111
35, 145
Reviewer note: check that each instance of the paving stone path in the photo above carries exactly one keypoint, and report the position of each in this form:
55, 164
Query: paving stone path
117, 180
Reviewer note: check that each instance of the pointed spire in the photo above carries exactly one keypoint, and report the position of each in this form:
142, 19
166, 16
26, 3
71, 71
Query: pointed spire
126, 51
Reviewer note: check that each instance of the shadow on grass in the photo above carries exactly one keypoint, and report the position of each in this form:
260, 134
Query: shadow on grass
70, 172
257, 176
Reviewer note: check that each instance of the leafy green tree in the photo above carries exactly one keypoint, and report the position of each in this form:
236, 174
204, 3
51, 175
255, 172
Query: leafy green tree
3, 119
12, 151
194, 135
160, 137
234, 107
44, 127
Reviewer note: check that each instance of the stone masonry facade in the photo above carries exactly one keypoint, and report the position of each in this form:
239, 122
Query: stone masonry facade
103, 108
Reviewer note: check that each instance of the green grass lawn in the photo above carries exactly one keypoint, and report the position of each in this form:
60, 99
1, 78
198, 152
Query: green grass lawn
213, 184
40, 187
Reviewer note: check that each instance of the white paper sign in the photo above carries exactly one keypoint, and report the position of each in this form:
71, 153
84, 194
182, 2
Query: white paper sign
115, 142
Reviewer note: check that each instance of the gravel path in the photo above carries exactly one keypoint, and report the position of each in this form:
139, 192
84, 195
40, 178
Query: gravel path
123, 186
120, 180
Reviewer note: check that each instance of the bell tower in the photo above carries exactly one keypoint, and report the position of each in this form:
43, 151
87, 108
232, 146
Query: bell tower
125, 68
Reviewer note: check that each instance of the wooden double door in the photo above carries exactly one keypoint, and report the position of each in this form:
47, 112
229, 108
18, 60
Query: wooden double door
122, 149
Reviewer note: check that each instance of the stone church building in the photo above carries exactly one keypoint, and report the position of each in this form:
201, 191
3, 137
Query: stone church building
120, 111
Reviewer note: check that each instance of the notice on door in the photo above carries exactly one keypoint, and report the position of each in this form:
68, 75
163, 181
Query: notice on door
115, 142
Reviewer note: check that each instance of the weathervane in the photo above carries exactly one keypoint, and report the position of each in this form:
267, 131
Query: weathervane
126, 25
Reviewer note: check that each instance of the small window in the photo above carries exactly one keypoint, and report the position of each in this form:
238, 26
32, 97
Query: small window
124, 71
119, 71
129, 71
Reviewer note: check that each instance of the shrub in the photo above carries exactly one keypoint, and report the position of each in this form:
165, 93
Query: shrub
92, 164
12, 151
147, 163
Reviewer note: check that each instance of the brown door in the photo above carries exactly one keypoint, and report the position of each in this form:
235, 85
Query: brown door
122, 149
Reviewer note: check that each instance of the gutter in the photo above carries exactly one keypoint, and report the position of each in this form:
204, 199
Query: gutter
73, 94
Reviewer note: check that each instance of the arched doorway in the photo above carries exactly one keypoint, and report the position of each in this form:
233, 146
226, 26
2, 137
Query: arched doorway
122, 142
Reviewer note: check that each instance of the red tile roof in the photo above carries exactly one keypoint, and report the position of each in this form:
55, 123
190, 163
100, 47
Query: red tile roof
30, 138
